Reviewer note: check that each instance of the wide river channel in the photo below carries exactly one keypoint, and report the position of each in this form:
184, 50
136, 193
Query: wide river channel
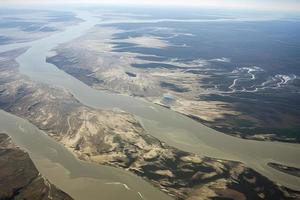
89, 181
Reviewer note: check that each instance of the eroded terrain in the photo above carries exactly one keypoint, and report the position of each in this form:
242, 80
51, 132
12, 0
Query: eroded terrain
158, 62
19, 178
117, 139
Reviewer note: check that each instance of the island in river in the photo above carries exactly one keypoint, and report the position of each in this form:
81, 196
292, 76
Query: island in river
117, 139
286, 169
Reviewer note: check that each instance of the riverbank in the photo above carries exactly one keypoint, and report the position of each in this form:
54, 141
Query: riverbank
19, 178
178, 131
217, 92
117, 139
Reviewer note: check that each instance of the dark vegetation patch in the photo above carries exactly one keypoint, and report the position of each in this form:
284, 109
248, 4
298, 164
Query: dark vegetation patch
154, 65
252, 187
151, 58
286, 169
267, 112
83, 75
173, 87
131, 74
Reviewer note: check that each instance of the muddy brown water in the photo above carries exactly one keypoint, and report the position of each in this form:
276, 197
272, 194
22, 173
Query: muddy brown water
82, 179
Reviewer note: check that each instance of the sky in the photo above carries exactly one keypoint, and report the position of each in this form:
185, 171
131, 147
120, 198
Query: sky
275, 5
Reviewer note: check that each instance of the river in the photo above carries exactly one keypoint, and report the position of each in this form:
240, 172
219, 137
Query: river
175, 129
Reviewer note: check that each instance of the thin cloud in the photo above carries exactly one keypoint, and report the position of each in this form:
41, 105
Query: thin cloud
275, 5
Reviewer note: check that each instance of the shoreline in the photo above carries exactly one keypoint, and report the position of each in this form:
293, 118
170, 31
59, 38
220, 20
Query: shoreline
66, 89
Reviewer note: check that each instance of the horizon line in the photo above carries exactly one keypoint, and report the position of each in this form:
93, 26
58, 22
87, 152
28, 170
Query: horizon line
250, 7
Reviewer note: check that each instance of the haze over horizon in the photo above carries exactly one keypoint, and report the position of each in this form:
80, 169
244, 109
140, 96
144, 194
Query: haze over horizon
150, 99
270, 5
